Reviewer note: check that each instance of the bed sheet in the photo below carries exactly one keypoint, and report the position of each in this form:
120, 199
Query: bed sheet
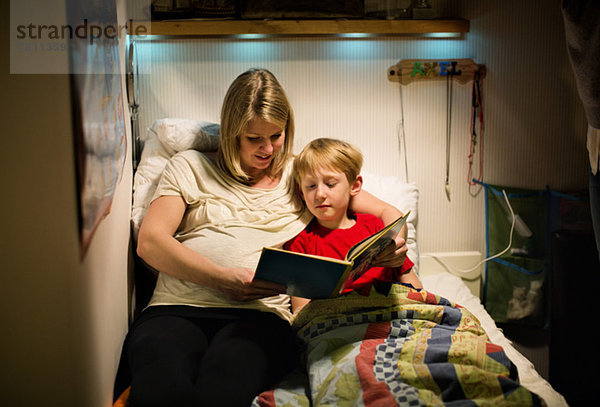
453, 288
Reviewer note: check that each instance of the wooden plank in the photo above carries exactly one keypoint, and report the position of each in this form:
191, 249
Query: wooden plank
296, 27
413, 70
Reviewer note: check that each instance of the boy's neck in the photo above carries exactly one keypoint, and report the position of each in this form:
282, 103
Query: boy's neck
345, 222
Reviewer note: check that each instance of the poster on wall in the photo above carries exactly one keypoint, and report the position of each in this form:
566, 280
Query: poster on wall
99, 124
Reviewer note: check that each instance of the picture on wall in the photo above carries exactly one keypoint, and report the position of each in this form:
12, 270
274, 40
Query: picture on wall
99, 124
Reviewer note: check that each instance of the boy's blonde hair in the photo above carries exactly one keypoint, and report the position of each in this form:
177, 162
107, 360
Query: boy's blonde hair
254, 94
327, 153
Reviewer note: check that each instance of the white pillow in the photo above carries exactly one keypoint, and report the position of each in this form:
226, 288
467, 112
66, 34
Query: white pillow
145, 180
186, 134
405, 197
163, 139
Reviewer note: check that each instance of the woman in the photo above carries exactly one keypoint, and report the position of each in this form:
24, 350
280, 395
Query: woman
211, 334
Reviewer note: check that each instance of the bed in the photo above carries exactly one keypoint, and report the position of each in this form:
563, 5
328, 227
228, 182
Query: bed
397, 345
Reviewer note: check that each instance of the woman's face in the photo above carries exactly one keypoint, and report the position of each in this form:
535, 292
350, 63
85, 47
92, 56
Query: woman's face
259, 144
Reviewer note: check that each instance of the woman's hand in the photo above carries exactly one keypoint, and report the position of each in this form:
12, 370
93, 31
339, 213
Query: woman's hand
394, 255
239, 284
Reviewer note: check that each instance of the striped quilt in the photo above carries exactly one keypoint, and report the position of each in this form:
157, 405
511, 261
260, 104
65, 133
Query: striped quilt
405, 347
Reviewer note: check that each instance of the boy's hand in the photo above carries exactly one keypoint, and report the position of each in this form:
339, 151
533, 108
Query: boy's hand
393, 255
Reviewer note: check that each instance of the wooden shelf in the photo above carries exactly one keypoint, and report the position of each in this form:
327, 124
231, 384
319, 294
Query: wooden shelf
296, 27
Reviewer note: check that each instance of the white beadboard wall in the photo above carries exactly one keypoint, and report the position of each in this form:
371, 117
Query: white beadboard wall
534, 124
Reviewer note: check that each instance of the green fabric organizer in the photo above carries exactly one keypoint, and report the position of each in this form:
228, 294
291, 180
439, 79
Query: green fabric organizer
516, 283
516, 286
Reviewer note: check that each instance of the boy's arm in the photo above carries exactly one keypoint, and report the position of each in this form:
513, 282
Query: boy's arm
366, 202
411, 278
298, 303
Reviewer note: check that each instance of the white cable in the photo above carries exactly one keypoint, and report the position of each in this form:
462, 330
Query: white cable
401, 134
449, 83
458, 272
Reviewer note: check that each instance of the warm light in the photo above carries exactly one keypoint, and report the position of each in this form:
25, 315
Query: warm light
251, 36
440, 35
355, 35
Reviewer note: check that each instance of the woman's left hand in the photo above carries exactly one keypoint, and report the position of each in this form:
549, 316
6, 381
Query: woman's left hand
393, 255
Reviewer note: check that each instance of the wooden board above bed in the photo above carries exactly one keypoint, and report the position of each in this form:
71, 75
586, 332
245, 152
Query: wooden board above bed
221, 28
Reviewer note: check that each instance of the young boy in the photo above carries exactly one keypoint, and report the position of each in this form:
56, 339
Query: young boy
327, 172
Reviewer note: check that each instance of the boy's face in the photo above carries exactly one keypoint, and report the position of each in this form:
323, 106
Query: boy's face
327, 195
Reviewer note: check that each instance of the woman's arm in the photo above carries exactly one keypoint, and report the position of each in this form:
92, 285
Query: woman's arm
365, 202
160, 250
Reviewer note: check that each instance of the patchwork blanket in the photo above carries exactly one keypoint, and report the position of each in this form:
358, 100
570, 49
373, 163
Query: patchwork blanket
405, 347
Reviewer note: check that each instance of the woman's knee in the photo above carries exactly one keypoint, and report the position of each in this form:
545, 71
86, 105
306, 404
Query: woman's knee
165, 338
262, 348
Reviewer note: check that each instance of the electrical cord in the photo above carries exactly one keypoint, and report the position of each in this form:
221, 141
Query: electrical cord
459, 272
401, 134
449, 83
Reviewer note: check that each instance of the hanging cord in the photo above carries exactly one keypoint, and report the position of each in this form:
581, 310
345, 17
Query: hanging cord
476, 113
459, 272
401, 134
449, 82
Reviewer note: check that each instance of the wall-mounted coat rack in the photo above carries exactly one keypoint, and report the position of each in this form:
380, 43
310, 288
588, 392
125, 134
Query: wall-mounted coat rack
461, 70
413, 70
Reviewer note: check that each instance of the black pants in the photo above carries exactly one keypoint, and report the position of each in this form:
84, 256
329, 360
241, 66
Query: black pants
184, 356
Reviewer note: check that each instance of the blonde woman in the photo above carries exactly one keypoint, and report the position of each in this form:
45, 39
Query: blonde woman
211, 335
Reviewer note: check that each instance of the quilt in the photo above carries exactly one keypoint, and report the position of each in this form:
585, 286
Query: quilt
397, 346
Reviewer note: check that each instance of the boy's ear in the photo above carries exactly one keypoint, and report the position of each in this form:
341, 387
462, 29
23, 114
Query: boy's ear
356, 186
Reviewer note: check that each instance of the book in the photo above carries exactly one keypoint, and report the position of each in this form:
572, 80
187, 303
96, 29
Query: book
314, 277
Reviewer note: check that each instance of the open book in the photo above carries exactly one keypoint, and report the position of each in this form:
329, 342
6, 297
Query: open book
311, 276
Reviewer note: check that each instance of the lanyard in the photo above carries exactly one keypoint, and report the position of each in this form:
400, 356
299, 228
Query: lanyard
476, 115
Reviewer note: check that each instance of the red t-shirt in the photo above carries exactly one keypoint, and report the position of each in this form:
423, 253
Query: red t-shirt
335, 243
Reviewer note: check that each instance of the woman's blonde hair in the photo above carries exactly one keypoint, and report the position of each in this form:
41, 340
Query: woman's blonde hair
255, 94
327, 153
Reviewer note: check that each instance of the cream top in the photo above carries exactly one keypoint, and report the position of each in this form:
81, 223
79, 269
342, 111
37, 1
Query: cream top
229, 223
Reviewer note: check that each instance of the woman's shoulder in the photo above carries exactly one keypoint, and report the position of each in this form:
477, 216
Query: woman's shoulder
193, 159
191, 155
191, 166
